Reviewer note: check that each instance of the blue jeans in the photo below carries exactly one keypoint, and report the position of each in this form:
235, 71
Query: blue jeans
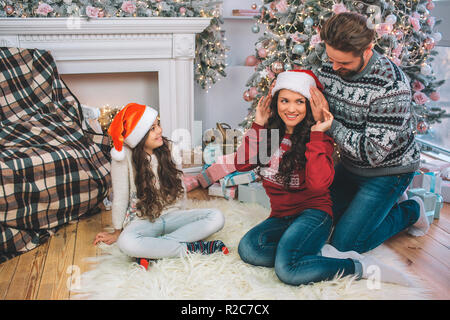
365, 209
291, 245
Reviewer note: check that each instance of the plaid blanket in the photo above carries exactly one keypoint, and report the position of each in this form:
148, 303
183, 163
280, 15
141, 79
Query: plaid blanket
51, 170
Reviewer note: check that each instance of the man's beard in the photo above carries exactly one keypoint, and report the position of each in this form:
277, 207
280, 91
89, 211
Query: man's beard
346, 73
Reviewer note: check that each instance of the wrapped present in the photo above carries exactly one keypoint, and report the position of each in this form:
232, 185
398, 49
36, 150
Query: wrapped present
439, 206
433, 202
190, 182
218, 190
253, 193
429, 181
440, 167
430, 216
237, 177
445, 191
213, 173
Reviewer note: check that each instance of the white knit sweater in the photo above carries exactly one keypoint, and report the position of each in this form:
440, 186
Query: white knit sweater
122, 176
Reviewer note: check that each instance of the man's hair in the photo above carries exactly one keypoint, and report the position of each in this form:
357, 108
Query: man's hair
347, 32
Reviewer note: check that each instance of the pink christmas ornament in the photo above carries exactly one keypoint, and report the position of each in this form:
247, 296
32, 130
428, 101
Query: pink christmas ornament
422, 127
435, 96
92, 12
128, 7
431, 21
262, 52
429, 44
182, 10
339, 8
9, 10
44, 9
253, 92
281, 6
270, 74
430, 5
420, 97
277, 67
417, 85
315, 39
415, 23
251, 61
247, 96
383, 29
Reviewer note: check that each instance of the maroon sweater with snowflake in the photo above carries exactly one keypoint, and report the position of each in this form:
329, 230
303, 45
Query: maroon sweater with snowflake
308, 187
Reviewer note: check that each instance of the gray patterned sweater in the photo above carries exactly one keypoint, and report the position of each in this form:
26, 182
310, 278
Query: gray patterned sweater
373, 124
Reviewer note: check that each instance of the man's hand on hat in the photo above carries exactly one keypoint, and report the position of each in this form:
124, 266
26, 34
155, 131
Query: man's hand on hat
325, 124
318, 103
263, 111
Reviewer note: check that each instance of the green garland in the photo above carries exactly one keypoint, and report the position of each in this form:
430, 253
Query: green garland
209, 62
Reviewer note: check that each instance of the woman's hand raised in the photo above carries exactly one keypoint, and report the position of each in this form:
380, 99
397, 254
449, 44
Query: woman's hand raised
263, 111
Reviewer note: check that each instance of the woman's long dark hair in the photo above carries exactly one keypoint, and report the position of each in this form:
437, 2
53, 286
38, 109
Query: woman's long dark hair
294, 158
151, 200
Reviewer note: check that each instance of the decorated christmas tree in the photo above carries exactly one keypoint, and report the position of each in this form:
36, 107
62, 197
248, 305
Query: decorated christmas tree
405, 32
209, 64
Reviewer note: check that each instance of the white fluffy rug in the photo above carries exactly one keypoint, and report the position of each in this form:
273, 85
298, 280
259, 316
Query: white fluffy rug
218, 276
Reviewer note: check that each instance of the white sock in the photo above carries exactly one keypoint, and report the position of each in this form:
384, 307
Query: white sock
422, 225
331, 252
386, 273
372, 266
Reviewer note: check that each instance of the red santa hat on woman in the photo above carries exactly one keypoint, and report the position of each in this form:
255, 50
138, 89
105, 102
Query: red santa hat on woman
129, 126
298, 81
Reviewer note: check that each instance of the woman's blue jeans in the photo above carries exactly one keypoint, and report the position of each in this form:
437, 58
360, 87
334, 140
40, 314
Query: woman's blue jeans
291, 245
365, 209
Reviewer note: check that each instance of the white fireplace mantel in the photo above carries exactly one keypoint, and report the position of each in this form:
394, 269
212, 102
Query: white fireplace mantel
109, 45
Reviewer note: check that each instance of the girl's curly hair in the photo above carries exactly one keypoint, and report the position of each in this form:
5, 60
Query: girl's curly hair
153, 200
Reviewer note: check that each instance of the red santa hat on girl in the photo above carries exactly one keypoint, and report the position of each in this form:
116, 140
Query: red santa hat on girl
129, 126
298, 81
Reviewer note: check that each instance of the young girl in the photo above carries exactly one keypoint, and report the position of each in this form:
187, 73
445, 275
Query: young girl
296, 179
148, 213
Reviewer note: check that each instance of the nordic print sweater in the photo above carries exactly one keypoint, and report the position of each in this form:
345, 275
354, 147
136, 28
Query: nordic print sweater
372, 124
308, 187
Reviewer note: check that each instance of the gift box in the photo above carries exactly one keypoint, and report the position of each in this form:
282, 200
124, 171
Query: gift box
429, 181
218, 190
216, 171
190, 182
439, 167
253, 193
433, 202
439, 206
237, 177
430, 216
445, 191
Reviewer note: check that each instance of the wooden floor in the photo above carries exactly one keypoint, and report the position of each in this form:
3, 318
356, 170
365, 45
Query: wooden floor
49, 270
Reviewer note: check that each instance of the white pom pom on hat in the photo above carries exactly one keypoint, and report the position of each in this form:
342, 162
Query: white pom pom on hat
129, 126
298, 81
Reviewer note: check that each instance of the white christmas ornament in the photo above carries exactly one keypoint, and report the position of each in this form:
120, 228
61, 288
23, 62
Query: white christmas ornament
425, 69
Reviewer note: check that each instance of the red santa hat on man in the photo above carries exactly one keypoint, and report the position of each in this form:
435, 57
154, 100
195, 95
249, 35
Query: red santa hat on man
129, 126
298, 81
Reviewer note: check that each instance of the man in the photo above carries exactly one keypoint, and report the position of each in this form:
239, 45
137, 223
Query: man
370, 98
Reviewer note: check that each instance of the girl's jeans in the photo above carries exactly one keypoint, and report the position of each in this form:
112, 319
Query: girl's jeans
365, 209
166, 236
291, 245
